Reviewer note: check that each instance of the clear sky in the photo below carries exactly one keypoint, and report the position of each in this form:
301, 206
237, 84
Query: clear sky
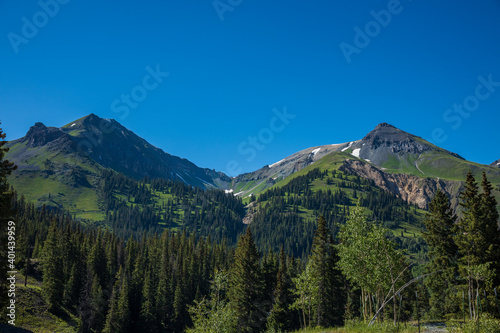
254, 81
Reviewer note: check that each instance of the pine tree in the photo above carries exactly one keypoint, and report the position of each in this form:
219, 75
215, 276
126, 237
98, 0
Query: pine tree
6, 214
179, 306
472, 240
52, 276
147, 315
468, 239
490, 220
440, 225
163, 295
98, 305
247, 285
281, 316
118, 317
329, 299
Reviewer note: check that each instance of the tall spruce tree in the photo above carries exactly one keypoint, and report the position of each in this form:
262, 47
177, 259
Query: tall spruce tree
472, 241
118, 317
468, 239
330, 298
53, 282
6, 214
247, 285
281, 316
440, 229
490, 220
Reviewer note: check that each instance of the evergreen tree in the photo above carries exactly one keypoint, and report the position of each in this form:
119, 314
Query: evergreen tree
52, 276
281, 316
475, 238
118, 317
440, 225
179, 306
330, 300
147, 316
163, 295
247, 285
490, 220
468, 239
6, 214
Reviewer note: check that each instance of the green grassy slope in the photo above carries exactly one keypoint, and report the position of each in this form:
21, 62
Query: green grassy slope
49, 177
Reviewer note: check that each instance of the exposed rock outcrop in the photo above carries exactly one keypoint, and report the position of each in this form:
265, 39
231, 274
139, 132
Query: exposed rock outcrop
413, 189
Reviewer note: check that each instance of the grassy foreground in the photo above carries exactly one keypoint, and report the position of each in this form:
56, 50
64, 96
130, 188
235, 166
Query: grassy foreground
356, 326
32, 312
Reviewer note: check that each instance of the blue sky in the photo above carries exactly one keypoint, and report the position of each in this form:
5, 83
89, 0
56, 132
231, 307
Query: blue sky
233, 66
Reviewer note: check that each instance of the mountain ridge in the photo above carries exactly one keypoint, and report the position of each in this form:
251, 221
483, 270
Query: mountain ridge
73, 156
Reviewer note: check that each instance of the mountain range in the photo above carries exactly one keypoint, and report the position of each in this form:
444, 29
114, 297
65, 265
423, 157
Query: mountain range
61, 166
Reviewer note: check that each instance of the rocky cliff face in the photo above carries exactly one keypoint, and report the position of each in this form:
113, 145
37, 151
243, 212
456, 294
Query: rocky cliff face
413, 189
386, 141
40, 135
496, 163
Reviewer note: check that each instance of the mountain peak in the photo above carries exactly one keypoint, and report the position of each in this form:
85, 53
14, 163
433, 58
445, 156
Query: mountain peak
386, 134
89, 122
39, 135
384, 125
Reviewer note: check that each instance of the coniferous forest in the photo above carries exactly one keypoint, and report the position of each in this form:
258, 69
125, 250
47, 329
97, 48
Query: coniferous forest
171, 258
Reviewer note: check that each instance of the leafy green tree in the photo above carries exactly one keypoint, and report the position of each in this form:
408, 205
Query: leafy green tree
247, 285
370, 261
443, 252
214, 315
306, 289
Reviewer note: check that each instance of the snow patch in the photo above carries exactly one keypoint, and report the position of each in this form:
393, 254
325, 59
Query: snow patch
228, 191
236, 194
275, 164
107, 119
367, 160
181, 177
355, 152
315, 151
72, 125
498, 163
350, 144
205, 182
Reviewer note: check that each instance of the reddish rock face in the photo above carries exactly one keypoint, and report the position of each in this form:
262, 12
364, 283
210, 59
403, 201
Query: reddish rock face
413, 189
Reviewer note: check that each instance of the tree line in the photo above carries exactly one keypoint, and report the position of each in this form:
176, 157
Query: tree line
343, 265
